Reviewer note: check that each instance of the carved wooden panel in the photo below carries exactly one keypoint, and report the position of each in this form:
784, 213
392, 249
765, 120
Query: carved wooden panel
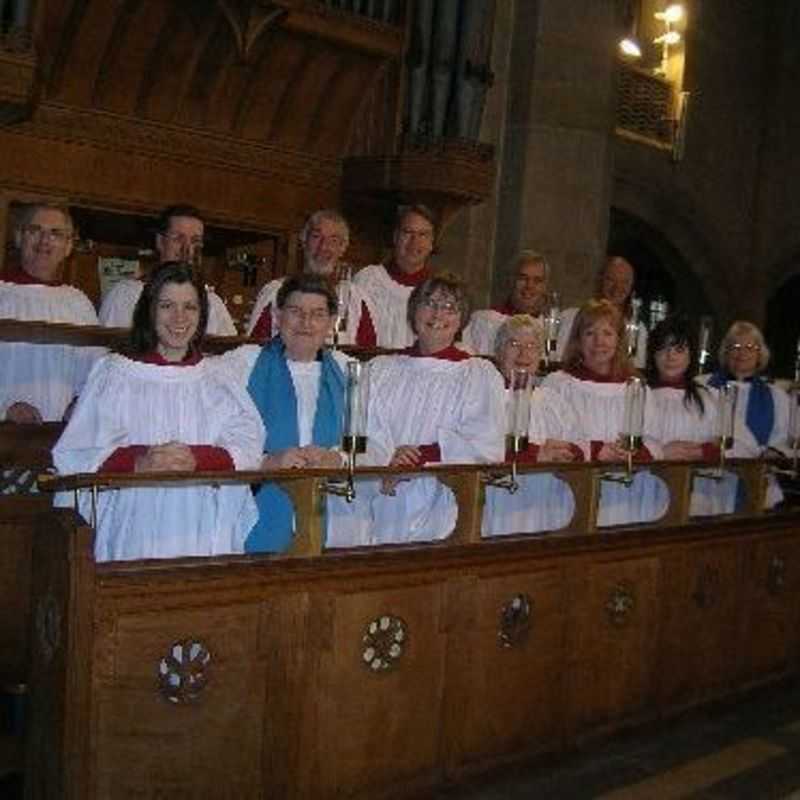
701, 611
512, 661
612, 637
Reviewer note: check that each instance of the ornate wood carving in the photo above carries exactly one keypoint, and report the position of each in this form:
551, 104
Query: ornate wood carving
249, 21
515, 621
383, 643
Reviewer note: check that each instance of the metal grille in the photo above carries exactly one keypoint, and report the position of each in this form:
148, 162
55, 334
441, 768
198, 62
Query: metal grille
644, 104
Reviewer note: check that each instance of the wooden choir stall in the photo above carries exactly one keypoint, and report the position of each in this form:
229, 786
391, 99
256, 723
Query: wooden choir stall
374, 671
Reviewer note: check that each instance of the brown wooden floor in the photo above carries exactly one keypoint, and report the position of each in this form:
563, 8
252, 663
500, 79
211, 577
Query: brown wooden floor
747, 751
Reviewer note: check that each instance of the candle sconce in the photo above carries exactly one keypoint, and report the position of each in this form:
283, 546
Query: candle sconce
704, 342
659, 310
552, 326
343, 291
632, 327
631, 438
726, 417
354, 429
517, 433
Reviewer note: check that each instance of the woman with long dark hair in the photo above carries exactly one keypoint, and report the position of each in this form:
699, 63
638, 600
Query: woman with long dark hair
162, 407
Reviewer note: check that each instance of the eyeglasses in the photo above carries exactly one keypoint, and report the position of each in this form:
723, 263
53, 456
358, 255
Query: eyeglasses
445, 306
59, 235
180, 239
316, 315
524, 347
748, 347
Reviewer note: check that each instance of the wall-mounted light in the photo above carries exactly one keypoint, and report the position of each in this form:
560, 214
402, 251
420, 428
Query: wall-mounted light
629, 47
669, 16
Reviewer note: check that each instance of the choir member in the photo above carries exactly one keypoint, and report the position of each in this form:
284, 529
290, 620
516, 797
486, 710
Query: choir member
542, 502
298, 387
39, 381
434, 403
592, 381
389, 286
531, 275
761, 422
163, 407
680, 412
324, 241
615, 283
179, 237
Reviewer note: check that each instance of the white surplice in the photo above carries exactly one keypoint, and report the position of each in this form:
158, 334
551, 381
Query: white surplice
116, 309
45, 376
599, 410
481, 331
267, 297
542, 502
668, 419
459, 405
389, 300
132, 403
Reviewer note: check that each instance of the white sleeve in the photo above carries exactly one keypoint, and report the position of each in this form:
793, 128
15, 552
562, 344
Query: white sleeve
116, 309
220, 322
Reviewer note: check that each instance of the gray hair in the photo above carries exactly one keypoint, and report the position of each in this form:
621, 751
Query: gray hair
323, 214
515, 324
744, 328
28, 211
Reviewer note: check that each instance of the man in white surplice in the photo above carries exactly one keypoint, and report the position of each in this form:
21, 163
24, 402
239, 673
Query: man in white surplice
530, 278
389, 286
434, 403
179, 238
324, 241
39, 381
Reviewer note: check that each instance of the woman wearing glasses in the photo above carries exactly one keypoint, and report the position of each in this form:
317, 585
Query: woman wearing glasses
762, 411
542, 502
298, 387
433, 403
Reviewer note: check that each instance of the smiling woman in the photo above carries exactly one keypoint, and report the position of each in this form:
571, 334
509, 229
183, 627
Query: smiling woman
160, 408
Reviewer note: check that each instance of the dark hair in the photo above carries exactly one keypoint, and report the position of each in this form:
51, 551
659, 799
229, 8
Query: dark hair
443, 281
144, 338
415, 208
181, 210
674, 331
307, 284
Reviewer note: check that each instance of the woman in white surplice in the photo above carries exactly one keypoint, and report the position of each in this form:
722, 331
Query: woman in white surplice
542, 502
434, 403
162, 408
680, 412
596, 367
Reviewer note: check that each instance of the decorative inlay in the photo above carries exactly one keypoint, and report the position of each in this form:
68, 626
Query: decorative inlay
776, 575
48, 626
621, 602
18, 481
182, 673
384, 643
706, 591
515, 621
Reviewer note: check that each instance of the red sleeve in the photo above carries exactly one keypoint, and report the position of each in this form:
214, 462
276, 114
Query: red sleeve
365, 335
595, 447
643, 455
576, 451
263, 328
710, 452
530, 455
429, 453
123, 459
211, 459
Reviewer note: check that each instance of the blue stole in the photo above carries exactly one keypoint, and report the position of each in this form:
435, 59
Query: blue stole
760, 413
272, 390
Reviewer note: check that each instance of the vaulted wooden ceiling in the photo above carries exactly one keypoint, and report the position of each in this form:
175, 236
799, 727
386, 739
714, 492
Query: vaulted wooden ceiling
293, 73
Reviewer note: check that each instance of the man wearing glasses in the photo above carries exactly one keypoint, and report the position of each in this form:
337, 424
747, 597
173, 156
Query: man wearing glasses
39, 381
390, 285
179, 238
324, 241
